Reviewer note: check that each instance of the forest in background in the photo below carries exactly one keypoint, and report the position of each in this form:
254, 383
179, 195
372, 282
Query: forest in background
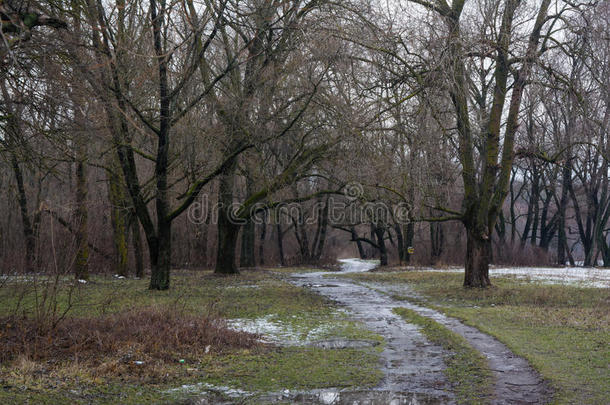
137, 136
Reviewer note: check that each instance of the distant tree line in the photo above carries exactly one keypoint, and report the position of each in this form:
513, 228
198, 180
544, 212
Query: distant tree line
149, 134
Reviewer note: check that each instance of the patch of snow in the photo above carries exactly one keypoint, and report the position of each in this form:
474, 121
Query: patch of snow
357, 265
347, 266
276, 331
568, 275
329, 397
582, 276
200, 387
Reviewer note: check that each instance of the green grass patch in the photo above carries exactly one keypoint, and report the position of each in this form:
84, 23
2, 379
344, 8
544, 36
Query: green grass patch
252, 295
562, 330
286, 367
567, 347
467, 369
249, 295
296, 269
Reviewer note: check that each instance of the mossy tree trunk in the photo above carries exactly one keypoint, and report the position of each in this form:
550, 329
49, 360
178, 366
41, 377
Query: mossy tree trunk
160, 261
486, 185
119, 218
248, 236
81, 215
113, 86
228, 227
478, 256
246, 258
11, 141
261, 246
28, 230
136, 240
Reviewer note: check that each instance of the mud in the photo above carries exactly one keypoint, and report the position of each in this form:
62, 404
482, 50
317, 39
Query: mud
516, 381
343, 344
410, 363
412, 366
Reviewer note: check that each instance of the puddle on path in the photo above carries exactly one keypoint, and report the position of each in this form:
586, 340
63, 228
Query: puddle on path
413, 367
411, 363
209, 394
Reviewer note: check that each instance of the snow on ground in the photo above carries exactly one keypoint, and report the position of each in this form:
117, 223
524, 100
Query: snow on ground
357, 265
276, 331
202, 387
581, 276
326, 396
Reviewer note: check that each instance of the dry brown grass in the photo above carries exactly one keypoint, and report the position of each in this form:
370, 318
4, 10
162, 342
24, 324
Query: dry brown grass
116, 344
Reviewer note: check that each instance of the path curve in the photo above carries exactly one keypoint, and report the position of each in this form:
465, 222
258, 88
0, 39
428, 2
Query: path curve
412, 365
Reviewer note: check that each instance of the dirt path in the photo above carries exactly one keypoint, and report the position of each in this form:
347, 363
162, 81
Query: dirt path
413, 367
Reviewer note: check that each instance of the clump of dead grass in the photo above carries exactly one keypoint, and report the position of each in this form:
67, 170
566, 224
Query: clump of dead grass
153, 335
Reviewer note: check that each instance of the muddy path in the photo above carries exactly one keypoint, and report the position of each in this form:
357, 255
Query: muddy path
413, 367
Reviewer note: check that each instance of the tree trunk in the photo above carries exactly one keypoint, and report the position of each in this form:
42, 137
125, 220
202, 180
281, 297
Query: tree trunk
318, 246
246, 258
478, 255
300, 233
227, 241
28, 230
81, 264
227, 228
532, 207
361, 251
280, 243
561, 242
383, 252
201, 234
408, 242
118, 219
400, 242
248, 235
437, 238
136, 240
261, 246
160, 259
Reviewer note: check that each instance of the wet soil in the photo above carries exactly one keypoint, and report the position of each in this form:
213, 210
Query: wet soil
413, 367
411, 364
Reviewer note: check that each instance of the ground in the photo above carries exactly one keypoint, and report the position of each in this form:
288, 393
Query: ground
563, 329
305, 346
140, 376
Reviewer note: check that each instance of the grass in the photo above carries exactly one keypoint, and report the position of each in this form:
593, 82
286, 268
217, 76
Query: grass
249, 295
562, 330
297, 269
285, 367
467, 369
108, 373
